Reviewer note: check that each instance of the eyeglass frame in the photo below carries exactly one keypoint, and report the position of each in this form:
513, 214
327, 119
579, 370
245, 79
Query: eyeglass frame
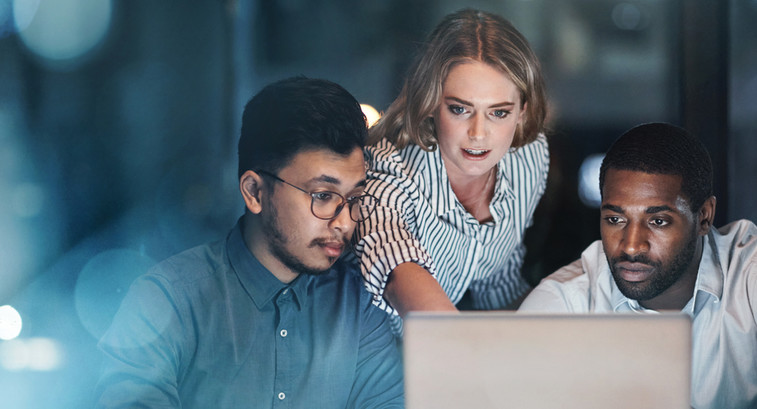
339, 208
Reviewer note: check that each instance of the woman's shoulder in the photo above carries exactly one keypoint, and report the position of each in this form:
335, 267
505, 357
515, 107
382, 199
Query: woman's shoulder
385, 157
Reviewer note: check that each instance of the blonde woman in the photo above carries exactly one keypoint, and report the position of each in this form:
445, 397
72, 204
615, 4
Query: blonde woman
458, 163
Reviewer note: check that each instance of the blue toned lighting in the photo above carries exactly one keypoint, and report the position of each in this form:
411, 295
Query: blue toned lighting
588, 181
62, 31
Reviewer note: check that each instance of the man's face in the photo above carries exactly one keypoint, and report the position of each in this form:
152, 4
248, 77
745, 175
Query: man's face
297, 241
649, 235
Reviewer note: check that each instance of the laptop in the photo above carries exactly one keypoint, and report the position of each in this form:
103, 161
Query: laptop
524, 360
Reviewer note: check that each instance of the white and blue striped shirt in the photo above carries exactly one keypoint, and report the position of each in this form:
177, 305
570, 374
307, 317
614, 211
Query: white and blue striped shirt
419, 219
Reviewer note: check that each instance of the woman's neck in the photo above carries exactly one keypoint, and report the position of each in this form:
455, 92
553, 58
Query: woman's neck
475, 194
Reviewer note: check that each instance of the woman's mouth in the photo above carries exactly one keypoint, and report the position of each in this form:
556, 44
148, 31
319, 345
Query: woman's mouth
475, 153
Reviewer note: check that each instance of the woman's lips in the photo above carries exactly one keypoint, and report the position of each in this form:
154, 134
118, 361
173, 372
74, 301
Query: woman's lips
475, 154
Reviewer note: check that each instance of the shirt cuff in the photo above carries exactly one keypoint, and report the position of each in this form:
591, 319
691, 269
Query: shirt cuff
378, 262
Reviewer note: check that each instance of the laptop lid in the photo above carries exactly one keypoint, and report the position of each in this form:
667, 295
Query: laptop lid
523, 360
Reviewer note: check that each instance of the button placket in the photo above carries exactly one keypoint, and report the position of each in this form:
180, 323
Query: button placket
284, 304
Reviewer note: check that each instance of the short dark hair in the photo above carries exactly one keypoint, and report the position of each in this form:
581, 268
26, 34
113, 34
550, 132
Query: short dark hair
297, 114
661, 148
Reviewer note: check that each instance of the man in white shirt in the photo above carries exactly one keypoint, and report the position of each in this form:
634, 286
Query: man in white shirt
659, 251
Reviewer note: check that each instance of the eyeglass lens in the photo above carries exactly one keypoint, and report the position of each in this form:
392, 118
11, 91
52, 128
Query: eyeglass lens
326, 205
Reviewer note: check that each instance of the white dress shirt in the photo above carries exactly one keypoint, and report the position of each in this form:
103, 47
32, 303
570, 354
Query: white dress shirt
723, 310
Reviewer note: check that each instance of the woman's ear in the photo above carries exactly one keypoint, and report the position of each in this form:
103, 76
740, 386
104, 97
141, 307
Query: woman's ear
706, 215
522, 113
250, 185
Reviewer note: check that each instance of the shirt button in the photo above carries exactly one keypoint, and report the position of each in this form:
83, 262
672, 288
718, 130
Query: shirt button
286, 290
283, 333
282, 396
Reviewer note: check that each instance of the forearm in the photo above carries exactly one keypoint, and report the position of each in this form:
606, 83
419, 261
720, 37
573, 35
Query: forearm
412, 288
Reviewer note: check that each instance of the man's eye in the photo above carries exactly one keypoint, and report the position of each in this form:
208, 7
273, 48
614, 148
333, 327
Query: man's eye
323, 196
501, 113
659, 222
612, 219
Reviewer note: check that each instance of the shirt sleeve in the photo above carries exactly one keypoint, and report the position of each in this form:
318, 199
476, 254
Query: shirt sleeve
552, 295
751, 273
142, 350
388, 237
529, 168
379, 378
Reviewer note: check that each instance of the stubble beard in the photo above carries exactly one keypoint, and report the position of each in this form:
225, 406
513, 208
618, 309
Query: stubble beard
277, 242
662, 278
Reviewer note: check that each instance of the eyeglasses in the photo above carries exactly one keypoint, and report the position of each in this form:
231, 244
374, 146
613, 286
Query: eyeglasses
326, 205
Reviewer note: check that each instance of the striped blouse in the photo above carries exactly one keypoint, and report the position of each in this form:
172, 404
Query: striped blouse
419, 219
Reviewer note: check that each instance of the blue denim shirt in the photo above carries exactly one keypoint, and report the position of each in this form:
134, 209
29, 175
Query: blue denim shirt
212, 328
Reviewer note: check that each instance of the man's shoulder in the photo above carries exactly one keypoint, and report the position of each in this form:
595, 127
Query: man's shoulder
572, 287
742, 233
736, 245
193, 264
591, 264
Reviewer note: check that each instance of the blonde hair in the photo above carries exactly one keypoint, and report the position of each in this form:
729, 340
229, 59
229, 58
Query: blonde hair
463, 36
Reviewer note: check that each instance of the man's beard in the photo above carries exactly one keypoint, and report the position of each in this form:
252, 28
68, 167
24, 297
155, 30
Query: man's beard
662, 279
277, 241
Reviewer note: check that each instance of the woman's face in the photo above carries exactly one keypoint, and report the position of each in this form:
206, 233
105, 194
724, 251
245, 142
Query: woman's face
476, 119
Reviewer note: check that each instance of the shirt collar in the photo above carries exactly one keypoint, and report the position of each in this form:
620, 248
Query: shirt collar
439, 183
709, 280
710, 275
260, 284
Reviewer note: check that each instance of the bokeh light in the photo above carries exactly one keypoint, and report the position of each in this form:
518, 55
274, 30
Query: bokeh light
628, 16
10, 322
588, 180
102, 285
34, 354
62, 30
371, 114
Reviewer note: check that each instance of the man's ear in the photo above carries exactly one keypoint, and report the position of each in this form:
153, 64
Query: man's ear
706, 215
250, 185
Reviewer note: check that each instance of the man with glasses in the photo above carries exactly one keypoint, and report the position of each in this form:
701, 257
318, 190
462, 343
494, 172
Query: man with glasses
270, 316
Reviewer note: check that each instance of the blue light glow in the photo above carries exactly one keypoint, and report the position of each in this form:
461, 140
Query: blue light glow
62, 30
10, 322
588, 181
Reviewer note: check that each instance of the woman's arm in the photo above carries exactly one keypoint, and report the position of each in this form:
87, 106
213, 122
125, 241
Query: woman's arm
413, 288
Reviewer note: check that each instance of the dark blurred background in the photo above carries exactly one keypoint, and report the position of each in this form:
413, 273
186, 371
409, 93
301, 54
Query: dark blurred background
119, 120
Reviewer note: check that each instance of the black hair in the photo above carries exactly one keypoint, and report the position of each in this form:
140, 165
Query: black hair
661, 148
297, 114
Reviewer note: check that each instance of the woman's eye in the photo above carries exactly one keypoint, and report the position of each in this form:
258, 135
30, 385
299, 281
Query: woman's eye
456, 109
501, 113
